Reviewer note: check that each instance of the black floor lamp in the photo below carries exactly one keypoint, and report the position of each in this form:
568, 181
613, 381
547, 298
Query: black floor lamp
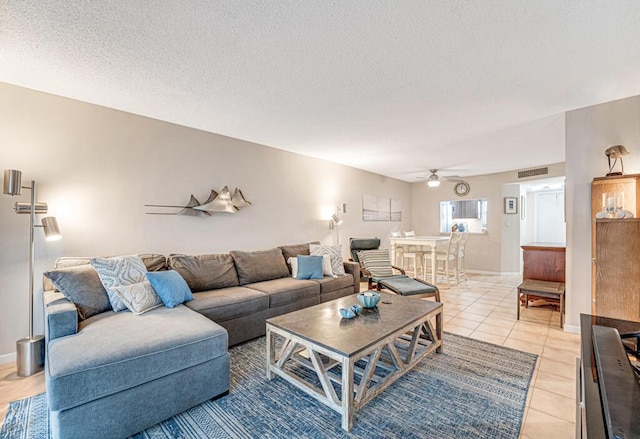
30, 350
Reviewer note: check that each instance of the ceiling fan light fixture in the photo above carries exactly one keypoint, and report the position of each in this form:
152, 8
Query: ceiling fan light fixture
433, 180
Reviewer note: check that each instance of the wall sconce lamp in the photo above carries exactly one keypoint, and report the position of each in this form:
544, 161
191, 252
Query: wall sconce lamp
30, 350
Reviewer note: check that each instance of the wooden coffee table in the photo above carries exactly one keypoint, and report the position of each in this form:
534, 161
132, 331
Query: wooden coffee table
377, 347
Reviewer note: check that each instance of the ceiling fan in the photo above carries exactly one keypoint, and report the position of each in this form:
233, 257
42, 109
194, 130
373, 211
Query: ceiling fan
434, 179
461, 187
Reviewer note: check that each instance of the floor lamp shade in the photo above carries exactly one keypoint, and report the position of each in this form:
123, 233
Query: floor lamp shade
25, 208
51, 229
12, 182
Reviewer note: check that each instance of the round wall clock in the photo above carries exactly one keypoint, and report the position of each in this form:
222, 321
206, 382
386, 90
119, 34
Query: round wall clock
461, 188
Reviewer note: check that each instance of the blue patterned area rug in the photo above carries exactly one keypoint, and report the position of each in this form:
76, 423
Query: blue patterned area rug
472, 390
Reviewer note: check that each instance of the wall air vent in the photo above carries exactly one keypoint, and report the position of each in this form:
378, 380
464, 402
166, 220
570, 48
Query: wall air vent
533, 172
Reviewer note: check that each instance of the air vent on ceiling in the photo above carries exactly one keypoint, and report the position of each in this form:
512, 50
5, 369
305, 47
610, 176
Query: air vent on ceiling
533, 172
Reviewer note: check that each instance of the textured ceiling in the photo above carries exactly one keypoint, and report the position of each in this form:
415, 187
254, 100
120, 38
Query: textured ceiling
393, 87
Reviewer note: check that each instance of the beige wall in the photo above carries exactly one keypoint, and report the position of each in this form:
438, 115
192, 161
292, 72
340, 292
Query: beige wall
589, 131
97, 167
498, 250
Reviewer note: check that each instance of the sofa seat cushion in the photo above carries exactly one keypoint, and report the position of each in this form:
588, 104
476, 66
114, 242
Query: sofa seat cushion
329, 284
287, 290
229, 303
113, 352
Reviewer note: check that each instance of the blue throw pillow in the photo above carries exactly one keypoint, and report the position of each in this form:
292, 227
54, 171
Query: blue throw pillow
309, 267
170, 286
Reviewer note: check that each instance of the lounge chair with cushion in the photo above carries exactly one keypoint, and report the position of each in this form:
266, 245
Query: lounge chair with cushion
376, 266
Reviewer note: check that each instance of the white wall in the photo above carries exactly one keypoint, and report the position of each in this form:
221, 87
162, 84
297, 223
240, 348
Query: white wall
484, 252
589, 131
97, 167
549, 216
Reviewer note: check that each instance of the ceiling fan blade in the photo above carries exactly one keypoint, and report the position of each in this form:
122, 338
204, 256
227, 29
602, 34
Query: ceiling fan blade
452, 178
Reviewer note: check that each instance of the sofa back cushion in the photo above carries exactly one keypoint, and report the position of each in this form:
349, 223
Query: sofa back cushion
205, 272
291, 251
259, 266
152, 261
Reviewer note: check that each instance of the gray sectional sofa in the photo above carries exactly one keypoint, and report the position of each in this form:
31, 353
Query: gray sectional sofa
114, 374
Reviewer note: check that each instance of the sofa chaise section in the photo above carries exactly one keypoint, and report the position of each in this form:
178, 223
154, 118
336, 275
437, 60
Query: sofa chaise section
94, 382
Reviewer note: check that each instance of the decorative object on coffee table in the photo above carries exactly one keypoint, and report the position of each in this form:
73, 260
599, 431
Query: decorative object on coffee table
350, 312
347, 313
368, 299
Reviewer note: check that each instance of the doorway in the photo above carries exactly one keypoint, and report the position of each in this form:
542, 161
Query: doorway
543, 218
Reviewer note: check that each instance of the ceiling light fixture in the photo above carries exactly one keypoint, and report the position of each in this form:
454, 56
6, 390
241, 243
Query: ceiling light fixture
433, 180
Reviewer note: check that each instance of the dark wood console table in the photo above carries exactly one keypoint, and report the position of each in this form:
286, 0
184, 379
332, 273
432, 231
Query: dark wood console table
544, 261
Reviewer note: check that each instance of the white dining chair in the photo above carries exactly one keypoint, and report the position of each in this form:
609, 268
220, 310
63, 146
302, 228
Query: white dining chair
446, 255
397, 249
460, 263
411, 255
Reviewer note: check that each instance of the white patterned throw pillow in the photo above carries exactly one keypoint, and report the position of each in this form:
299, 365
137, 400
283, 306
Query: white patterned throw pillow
334, 251
119, 271
139, 297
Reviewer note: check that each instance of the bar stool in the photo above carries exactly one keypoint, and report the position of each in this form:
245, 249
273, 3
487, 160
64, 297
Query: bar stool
447, 254
460, 264
397, 249
411, 253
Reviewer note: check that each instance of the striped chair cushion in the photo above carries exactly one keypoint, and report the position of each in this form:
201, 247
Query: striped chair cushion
376, 262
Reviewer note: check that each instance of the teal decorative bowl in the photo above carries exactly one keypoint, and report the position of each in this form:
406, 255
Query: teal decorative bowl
369, 299
346, 313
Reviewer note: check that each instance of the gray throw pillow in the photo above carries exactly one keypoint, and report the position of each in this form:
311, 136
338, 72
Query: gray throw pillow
205, 272
82, 286
259, 266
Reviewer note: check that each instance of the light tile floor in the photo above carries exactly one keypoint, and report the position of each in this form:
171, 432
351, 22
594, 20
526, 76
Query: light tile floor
483, 307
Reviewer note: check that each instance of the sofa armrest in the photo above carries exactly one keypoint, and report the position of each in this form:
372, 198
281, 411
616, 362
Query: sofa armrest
60, 316
354, 269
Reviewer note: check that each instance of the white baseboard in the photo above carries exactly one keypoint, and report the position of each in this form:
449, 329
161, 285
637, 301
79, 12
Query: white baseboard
572, 329
490, 273
8, 358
